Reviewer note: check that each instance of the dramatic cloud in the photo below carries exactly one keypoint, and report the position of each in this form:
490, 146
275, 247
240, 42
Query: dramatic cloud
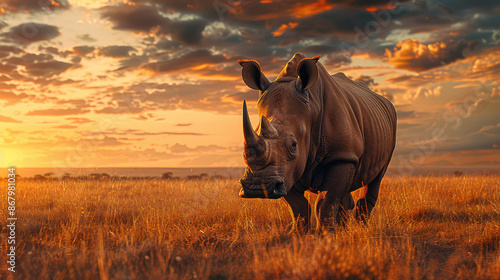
188, 61
284, 27
30, 32
116, 51
48, 68
145, 80
142, 18
83, 50
415, 56
39, 65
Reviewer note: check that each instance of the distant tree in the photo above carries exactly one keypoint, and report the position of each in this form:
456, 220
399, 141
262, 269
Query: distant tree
193, 177
49, 175
203, 176
94, 176
217, 177
167, 175
458, 173
39, 177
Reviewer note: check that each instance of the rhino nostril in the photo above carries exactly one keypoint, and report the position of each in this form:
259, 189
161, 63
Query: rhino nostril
279, 189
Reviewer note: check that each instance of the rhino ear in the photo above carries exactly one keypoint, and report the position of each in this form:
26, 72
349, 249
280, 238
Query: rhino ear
308, 72
252, 75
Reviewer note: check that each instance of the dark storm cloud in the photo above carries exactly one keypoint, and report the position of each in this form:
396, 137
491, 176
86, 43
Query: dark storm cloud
82, 50
143, 18
256, 23
10, 49
37, 65
367, 3
319, 49
457, 5
139, 18
182, 63
116, 51
315, 20
132, 62
27, 33
47, 69
168, 45
185, 31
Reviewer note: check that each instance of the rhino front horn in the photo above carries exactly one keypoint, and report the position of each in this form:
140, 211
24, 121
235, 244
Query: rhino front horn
251, 138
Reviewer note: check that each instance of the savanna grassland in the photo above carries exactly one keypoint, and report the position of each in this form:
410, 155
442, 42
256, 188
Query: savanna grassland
422, 228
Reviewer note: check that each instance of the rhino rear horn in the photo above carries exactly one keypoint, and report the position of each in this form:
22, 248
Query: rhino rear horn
251, 138
252, 75
267, 129
308, 72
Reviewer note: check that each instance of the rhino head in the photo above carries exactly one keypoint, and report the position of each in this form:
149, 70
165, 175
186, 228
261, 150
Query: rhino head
276, 152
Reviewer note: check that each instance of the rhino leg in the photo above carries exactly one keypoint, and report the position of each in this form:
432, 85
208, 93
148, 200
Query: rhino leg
365, 205
300, 208
337, 183
346, 205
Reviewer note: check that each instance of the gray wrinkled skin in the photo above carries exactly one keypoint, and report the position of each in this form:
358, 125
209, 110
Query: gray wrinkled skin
317, 132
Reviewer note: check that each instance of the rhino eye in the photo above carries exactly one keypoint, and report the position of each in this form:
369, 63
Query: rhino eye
293, 147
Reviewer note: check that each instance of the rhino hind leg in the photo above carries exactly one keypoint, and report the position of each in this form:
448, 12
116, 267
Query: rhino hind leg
346, 205
365, 205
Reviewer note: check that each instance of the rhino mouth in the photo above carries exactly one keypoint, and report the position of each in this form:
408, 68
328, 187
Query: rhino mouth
273, 189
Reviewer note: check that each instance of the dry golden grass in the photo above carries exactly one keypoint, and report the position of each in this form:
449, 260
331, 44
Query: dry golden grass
422, 228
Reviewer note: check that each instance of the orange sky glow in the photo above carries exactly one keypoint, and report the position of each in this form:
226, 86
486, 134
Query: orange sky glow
154, 84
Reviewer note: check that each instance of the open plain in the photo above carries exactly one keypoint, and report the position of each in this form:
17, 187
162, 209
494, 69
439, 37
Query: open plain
434, 227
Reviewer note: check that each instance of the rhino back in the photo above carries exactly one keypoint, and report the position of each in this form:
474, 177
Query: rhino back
375, 117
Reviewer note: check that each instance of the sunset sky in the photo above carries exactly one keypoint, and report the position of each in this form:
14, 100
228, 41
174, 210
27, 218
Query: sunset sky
151, 83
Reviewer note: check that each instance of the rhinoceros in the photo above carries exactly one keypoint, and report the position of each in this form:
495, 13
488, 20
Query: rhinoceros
317, 132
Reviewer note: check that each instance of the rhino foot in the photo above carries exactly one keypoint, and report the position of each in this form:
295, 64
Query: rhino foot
363, 210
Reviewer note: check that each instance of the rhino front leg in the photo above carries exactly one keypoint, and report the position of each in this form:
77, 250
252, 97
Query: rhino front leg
300, 208
337, 183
